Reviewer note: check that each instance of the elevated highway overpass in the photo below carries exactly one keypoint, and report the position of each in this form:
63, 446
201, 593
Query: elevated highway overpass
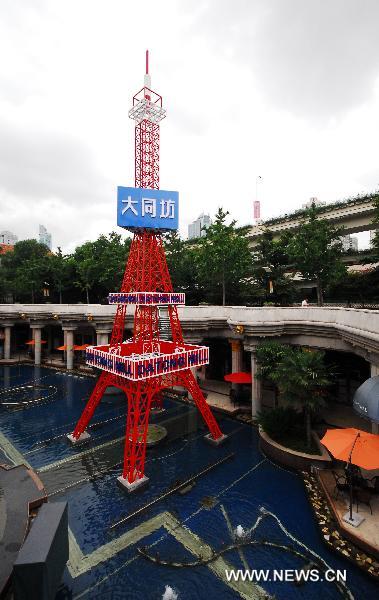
354, 216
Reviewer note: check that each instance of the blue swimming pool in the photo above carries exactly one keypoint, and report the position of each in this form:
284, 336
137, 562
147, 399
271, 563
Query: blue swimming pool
104, 563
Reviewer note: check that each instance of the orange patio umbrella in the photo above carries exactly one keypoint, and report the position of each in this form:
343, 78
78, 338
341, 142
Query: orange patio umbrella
32, 342
65, 347
355, 447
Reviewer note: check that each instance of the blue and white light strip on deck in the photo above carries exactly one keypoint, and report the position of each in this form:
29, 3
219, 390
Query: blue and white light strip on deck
151, 298
145, 366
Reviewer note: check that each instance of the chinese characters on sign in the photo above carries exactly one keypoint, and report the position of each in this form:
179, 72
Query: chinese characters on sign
145, 366
150, 209
147, 298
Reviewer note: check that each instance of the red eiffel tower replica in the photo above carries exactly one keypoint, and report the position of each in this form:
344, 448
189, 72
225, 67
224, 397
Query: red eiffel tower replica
147, 363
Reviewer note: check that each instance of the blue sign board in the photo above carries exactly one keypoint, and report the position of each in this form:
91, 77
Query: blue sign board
149, 209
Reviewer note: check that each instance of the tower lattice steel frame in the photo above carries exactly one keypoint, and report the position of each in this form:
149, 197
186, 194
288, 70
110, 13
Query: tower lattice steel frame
147, 284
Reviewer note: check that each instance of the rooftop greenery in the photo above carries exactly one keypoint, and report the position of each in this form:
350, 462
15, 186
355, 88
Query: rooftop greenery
326, 208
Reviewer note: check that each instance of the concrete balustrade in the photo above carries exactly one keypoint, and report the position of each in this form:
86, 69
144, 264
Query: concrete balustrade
351, 325
201, 321
351, 330
331, 328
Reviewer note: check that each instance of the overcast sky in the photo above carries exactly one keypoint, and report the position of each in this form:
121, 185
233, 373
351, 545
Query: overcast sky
283, 89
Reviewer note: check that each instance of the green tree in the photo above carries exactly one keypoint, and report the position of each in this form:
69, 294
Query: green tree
111, 253
25, 269
61, 273
99, 265
272, 268
224, 261
269, 355
302, 377
3, 287
182, 265
86, 268
361, 288
315, 250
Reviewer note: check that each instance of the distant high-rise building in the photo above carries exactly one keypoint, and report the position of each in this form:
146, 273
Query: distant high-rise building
349, 242
314, 201
44, 236
8, 238
197, 228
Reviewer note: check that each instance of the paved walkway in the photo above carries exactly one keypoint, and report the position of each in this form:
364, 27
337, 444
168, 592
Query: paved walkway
218, 396
342, 415
19, 492
368, 530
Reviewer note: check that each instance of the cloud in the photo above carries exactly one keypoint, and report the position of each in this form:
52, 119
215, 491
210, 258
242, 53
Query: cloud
51, 177
315, 57
284, 89
44, 164
370, 179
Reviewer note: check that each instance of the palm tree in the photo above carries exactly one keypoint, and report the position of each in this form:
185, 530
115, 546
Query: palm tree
302, 377
269, 354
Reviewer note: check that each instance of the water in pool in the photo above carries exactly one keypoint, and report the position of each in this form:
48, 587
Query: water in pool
247, 491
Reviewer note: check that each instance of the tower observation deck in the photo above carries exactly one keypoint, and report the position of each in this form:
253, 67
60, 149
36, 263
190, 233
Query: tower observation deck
145, 364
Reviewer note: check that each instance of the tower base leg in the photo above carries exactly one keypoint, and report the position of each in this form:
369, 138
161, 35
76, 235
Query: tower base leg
124, 484
208, 438
82, 439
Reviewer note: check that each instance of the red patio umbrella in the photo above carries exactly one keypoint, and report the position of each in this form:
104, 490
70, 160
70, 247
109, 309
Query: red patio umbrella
239, 377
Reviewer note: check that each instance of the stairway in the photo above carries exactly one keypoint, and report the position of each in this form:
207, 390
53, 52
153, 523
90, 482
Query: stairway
164, 324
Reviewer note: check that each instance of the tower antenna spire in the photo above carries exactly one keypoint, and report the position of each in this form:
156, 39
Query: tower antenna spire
147, 81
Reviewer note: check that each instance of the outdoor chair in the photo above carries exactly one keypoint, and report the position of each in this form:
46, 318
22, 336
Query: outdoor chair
363, 496
359, 481
374, 484
233, 396
341, 484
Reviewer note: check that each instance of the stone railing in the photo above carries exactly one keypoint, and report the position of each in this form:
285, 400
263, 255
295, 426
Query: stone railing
317, 326
346, 329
